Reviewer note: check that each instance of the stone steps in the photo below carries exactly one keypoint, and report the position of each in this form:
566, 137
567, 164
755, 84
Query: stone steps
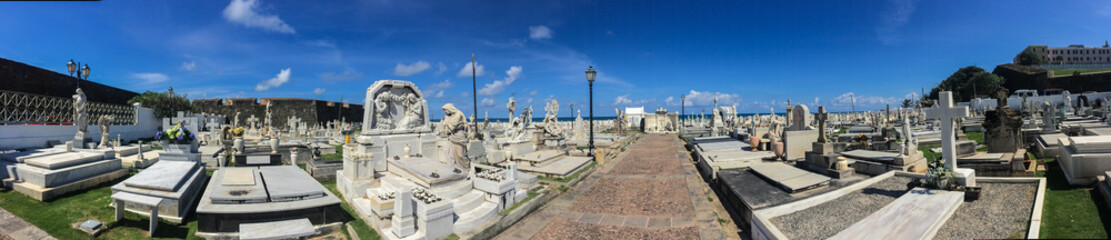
455, 189
471, 219
467, 201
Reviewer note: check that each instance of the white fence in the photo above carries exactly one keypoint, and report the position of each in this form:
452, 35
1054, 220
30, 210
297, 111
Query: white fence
33, 136
1016, 102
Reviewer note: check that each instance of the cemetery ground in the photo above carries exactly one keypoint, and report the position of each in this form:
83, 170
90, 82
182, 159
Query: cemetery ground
1068, 211
633, 197
57, 217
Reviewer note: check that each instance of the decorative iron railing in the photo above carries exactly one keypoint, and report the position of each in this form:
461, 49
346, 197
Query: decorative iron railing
28, 108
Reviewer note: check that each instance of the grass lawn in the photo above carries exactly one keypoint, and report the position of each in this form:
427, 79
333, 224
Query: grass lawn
979, 138
338, 156
1065, 72
56, 217
361, 228
1071, 211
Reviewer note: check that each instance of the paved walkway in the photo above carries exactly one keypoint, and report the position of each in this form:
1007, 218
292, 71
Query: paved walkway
638, 196
12, 227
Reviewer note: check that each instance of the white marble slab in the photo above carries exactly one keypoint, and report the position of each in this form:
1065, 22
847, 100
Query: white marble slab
1091, 143
238, 177
288, 229
918, 214
162, 176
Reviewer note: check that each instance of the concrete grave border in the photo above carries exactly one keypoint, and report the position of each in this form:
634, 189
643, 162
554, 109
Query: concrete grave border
764, 229
761, 219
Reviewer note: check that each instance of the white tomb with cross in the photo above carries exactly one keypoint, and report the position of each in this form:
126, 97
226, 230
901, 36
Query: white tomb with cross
947, 113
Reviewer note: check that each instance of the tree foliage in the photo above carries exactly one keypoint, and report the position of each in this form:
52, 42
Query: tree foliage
1029, 58
164, 104
967, 82
908, 103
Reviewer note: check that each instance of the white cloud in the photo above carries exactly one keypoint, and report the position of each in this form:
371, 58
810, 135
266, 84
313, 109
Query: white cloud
408, 70
437, 89
346, 75
539, 32
848, 99
189, 66
696, 98
440, 69
894, 18
318, 91
911, 95
322, 43
670, 101
496, 87
533, 93
487, 102
277, 81
622, 100
466, 71
150, 78
245, 12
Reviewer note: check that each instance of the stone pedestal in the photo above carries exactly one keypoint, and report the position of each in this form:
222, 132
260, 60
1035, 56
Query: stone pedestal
435, 219
965, 177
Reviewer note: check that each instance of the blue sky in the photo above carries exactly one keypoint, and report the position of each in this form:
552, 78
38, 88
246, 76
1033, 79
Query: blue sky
756, 54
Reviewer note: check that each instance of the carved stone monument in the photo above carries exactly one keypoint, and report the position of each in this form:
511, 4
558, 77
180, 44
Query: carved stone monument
80, 119
104, 122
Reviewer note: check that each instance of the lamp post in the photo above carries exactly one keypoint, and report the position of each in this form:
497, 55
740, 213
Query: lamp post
590, 73
72, 67
683, 105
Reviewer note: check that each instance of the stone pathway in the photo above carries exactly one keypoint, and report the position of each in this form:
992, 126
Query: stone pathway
12, 227
638, 196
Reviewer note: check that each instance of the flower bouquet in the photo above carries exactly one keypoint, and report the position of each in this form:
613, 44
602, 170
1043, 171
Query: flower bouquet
237, 132
176, 135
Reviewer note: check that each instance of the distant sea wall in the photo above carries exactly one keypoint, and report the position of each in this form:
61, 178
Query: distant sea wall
1023, 77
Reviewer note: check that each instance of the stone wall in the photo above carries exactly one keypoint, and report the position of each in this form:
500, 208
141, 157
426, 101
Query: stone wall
20, 77
309, 111
1023, 77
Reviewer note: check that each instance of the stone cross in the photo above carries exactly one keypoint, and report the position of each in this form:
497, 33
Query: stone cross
947, 113
821, 117
251, 121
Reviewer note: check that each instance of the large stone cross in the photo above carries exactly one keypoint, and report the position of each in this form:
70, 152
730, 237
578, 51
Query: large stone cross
947, 113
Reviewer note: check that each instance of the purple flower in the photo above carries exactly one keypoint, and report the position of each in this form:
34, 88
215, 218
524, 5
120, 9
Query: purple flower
180, 137
193, 135
158, 136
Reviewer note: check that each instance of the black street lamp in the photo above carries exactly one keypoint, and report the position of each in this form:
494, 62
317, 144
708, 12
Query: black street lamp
590, 73
683, 106
72, 67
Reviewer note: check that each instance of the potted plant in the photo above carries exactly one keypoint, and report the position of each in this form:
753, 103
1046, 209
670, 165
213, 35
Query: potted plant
972, 193
937, 176
177, 139
237, 143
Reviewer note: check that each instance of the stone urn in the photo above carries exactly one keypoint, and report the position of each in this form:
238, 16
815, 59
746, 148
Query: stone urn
841, 165
237, 144
274, 145
777, 147
754, 142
